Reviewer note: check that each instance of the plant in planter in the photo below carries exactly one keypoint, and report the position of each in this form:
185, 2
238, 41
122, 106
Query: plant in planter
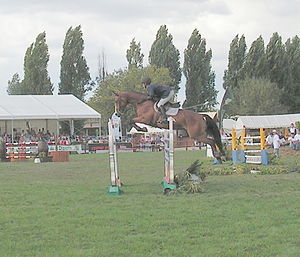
190, 181
44, 157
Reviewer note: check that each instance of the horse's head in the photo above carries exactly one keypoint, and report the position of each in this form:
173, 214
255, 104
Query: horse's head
121, 102
127, 97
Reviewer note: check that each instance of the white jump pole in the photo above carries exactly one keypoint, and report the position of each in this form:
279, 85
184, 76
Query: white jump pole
114, 188
168, 182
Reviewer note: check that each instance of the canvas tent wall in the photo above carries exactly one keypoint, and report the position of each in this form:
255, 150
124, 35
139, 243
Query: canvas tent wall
19, 111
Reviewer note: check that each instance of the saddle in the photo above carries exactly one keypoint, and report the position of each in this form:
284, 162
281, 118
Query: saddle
171, 108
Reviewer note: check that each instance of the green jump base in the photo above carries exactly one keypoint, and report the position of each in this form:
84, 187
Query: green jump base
167, 186
114, 190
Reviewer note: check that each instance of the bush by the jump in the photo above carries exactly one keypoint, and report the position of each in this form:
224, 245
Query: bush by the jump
190, 181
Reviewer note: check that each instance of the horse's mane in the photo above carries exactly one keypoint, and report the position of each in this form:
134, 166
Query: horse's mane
132, 95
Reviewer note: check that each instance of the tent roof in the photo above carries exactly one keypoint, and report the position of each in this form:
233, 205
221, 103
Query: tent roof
228, 125
20, 107
267, 121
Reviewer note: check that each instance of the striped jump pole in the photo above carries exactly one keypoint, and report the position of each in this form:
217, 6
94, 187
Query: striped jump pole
263, 147
168, 181
115, 187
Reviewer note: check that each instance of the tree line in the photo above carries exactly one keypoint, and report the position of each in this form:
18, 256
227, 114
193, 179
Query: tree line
74, 74
261, 80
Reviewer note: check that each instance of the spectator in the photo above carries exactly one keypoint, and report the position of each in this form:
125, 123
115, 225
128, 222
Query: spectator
276, 143
292, 141
282, 139
270, 140
292, 129
297, 141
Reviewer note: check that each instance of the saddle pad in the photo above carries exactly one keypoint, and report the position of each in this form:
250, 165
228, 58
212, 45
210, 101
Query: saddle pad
172, 111
169, 110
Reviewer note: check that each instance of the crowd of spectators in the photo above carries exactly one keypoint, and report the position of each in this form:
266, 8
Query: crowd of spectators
31, 135
276, 139
28, 136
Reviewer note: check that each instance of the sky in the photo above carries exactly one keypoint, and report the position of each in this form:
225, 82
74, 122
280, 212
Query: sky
109, 26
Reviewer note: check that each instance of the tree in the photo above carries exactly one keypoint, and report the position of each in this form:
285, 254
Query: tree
102, 67
74, 74
292, 81
236, 60
233, 74
255, 62
15, 86
134, 55
276, 60
257, 97
200, 79
124, 80
36, 79
164, 54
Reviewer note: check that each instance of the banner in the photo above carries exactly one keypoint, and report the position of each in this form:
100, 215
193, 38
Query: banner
68, 148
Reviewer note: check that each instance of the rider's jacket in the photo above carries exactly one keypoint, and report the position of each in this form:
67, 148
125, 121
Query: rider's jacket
158, 91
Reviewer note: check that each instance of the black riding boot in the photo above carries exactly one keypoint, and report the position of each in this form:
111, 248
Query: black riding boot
164, 115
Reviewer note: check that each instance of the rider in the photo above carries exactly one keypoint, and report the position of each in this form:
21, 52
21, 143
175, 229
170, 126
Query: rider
164, 93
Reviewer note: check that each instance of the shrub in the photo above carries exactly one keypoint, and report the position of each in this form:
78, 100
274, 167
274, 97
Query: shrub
190, 180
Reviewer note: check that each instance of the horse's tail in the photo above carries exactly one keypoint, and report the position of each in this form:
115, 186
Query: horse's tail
213, 130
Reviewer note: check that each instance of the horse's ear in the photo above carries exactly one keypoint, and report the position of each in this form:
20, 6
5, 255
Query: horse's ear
115, 93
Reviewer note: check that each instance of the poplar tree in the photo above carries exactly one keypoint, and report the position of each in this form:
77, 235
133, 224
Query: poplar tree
276, 60
74, 74
200, 79
15, 86
233, 74
102, 67
134, 55
163, 53
292, 84
36, 79
255, 62
236, 58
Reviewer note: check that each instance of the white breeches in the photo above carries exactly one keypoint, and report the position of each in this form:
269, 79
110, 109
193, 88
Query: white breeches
163, 101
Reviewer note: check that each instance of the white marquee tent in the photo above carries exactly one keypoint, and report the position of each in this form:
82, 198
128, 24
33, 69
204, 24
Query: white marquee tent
21, 111
265, 121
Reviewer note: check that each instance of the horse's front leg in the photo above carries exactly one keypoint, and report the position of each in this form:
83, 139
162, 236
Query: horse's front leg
211, 142
139, 120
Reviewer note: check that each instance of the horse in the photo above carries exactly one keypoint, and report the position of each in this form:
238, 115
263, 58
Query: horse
200, 127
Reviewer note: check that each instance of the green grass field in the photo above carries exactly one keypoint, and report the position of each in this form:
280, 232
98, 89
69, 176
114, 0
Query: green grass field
62, 209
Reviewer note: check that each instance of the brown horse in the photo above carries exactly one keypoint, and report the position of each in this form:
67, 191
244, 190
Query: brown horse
199, 127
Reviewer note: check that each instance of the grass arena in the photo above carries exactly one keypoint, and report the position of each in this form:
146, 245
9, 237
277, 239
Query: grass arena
63, 209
